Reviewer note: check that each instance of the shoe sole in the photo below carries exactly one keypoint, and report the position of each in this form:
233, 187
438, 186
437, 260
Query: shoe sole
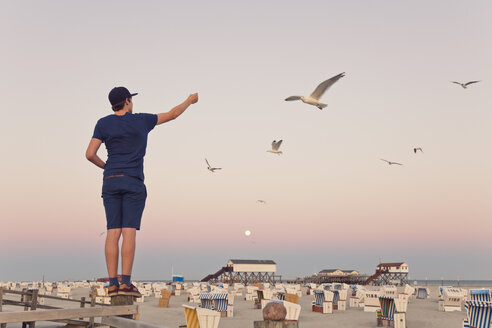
130, 294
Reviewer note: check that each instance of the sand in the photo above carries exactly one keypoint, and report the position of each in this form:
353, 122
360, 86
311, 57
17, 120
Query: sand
420, 313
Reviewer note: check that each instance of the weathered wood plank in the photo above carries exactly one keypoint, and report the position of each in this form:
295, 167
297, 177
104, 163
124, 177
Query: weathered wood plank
52, 297
3, 325
119, 322
48, 315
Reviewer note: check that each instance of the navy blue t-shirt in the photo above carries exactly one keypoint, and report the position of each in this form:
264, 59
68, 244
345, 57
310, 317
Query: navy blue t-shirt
126, 140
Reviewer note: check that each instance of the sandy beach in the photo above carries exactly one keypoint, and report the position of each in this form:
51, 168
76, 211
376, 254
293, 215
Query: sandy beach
420, 313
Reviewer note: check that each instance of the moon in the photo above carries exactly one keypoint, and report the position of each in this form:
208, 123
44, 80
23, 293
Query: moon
247, 233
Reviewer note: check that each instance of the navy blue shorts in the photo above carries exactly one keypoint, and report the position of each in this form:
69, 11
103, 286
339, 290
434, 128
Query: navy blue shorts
124, 201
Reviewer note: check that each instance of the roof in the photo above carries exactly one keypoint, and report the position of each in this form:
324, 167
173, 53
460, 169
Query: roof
333, 270
236, 261
391, 264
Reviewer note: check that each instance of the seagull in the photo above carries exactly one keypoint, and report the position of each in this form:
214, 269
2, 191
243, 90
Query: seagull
464, 85
313, 99
212, 169
261, 201
391, 163
416, 149
102, 233
275, 146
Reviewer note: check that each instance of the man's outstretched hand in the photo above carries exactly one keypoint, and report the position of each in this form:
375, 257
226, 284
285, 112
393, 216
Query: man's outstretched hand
193, 98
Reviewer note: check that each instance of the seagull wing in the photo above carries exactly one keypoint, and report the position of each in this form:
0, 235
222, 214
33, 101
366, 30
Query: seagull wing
291, 98
455, 82
396, 163
471, 82
320, 89
207, 162
385, 160
276, 145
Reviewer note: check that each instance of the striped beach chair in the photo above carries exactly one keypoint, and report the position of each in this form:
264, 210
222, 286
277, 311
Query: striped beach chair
481, 295
421, 293
323, 301
387, 308
220, 302
206, 301
479, 314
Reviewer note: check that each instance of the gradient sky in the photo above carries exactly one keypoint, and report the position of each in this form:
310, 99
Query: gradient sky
331, 202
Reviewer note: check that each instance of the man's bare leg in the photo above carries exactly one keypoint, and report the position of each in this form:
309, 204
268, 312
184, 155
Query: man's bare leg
128, 250
112, 251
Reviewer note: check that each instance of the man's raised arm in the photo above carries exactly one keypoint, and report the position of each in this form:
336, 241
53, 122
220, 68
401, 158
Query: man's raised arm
178, 110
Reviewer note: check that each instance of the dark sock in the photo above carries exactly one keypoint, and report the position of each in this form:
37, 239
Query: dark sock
113, 281
125, 279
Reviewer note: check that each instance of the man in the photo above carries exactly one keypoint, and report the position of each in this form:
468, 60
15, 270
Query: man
123, 191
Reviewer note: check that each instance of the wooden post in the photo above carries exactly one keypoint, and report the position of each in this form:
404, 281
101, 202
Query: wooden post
123, 300
26, 298
3, 325
82, 304
34, 305
91, 320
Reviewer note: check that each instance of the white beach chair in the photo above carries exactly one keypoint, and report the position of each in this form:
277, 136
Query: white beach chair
323, 301
452, 299
371, 301
201, 318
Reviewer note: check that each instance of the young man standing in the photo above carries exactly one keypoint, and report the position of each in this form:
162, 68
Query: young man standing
123, 191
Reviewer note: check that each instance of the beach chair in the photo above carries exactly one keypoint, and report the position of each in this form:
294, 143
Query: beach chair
478, 314
390, 291
260, 297
441, 289
220, 302
421, 293
292, 298
371, 301
451, 300
393, 311
165, 297
201, 318
206, 301
481, 295
230, 306
323, 301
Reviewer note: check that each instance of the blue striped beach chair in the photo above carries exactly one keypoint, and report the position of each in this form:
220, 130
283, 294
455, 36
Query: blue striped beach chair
322, 301
479, 314
206, 301
421, 293
319, 298
220, 302
481, 295
387, 307
336, 298
280, 296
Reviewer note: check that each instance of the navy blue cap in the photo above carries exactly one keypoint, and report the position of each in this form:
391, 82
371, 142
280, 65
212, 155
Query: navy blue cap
119, 94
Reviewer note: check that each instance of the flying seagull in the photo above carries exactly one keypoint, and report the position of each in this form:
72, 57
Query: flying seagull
102, 233
464, 85
261, 201
416, 149
391, 163
275, 147
212, 169
313, 99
